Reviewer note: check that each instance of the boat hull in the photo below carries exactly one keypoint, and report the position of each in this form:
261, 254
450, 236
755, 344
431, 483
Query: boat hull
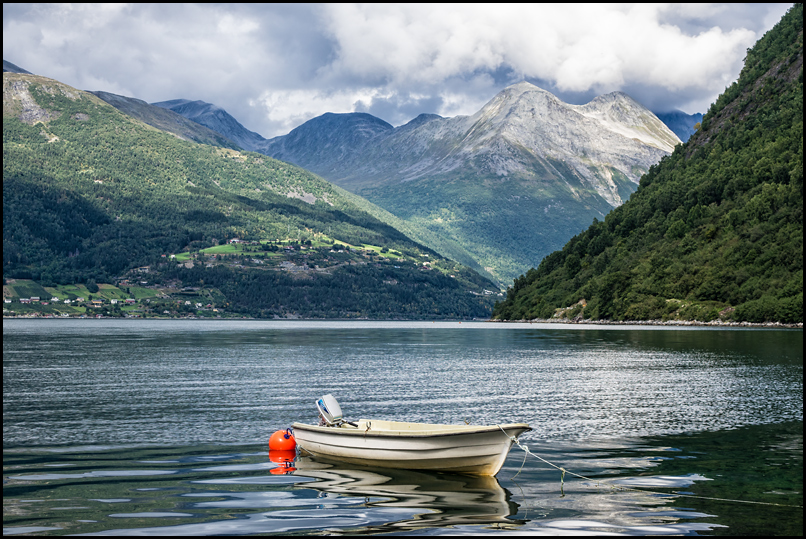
460, 449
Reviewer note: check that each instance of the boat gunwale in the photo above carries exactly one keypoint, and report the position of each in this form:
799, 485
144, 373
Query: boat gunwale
481, 429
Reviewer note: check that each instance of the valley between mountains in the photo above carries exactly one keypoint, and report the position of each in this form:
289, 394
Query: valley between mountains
496, 191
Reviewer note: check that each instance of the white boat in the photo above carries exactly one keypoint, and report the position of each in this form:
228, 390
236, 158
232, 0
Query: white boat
470, 449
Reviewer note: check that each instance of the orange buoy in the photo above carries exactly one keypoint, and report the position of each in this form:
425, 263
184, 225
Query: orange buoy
282, 440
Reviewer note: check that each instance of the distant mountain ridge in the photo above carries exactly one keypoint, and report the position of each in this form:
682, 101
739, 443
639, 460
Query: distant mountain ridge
344, 149
681, 123
215, 118
325, 142
8, 67
526, 160
206, 113
166, 120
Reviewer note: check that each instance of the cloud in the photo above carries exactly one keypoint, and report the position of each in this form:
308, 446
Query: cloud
292, 107
274, 66
576, 47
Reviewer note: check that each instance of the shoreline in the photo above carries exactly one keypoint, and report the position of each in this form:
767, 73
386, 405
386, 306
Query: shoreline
666, 323
658, 323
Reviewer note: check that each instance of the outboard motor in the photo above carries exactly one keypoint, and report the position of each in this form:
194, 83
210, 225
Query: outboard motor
329, 411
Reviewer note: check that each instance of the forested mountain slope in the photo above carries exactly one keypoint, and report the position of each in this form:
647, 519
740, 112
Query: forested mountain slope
714, 231
90, 193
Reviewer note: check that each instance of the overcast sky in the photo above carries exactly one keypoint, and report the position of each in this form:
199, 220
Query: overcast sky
274, 66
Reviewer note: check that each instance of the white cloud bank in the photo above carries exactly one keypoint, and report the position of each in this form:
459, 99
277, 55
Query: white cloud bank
275, 66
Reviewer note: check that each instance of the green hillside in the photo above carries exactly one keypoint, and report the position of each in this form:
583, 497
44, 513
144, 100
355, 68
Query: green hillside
467, 215
90, 194
714, 231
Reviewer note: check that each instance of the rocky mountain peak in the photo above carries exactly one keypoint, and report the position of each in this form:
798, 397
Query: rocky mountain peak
189, 109
524, 109
18, 100
621, 114
423, 118
517, 108
322, 143
354, 127
522, 95
215, 118
520, 88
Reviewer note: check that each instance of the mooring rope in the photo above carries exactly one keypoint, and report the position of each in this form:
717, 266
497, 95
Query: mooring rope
646, 491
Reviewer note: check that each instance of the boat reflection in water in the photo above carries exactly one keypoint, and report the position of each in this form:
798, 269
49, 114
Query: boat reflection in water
445, 499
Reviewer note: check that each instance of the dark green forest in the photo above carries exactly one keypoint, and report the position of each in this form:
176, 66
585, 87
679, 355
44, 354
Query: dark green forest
90, 193
714, 231
357, 291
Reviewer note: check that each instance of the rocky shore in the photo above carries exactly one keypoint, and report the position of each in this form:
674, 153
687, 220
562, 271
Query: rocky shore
682, 323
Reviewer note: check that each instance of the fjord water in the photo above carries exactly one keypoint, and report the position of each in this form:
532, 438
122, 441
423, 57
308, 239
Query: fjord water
160, 427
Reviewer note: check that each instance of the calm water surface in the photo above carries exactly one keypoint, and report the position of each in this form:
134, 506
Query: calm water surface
160, 427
